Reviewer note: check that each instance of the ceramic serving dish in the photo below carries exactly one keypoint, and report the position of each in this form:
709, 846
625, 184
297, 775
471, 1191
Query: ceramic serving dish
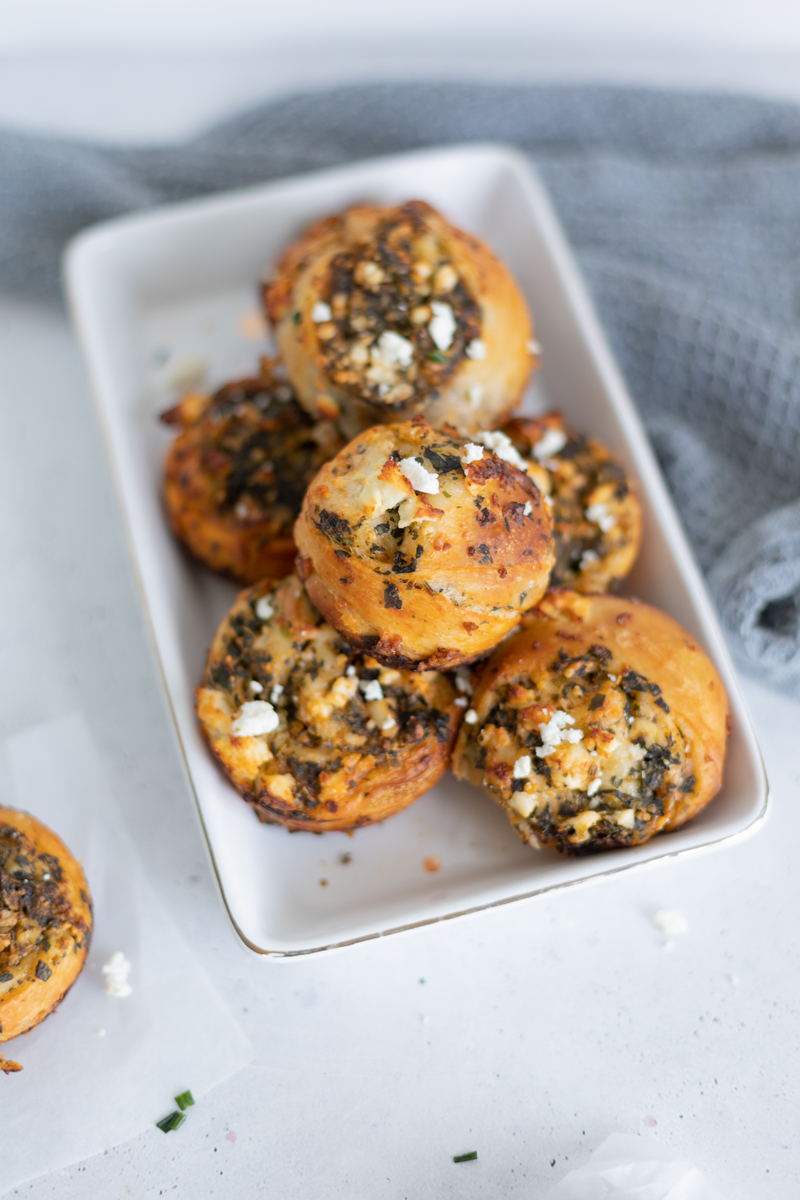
163, 298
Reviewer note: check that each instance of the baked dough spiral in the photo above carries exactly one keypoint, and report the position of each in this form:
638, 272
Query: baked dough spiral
314, 734
597, 518
422, 548
236, 473
596, 726
45, 923
381, 313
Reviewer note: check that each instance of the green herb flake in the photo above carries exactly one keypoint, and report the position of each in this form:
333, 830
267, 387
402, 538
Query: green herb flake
444, 493
173, 1121
185, 1100
473, 1154
437, 356
297, 318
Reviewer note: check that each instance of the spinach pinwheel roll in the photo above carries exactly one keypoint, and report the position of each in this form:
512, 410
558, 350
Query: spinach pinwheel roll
381, 313
236, 473
315, 734
598, 725
421, 547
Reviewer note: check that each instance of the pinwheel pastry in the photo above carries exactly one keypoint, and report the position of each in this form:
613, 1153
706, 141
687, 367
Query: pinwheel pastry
314, 734
597, 725
236, 473
381, 313
45, 923
597, 518
421, 547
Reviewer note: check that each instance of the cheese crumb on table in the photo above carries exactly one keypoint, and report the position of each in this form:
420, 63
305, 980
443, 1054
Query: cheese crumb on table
116, 971
321, 312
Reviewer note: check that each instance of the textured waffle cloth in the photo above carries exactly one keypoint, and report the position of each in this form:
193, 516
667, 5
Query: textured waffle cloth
684, 211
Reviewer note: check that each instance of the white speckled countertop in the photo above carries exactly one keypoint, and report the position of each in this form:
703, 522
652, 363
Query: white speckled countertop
528, 1033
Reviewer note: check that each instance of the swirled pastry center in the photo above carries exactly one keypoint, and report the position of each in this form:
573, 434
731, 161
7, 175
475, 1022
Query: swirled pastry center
585, 755
258, 449
35, 916
395, 318
328, 714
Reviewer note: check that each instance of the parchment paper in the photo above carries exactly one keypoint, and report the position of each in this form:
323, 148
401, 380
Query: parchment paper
81, 1093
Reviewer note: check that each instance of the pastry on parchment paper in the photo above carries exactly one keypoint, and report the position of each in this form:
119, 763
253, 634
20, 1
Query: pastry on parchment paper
597, 518
45, 923
599, 724
315, 734
421, 547
382, 313
236, 473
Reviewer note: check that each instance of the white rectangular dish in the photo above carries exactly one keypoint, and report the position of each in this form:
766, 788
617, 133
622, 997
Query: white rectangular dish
173, 291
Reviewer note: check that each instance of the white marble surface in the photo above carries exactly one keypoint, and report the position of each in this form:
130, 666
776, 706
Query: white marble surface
539, 1028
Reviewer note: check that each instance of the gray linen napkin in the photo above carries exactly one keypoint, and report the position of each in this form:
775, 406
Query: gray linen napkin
684, 211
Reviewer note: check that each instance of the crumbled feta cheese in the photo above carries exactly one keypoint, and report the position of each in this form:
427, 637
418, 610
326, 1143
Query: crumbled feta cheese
393, 350
276, 693
472, 453
410, 510
587, 558
350, 670
321, 312
502, 446
116, 971
372, 689
379, 495
548, 501
626, 817
442, 327
555, 731
256, 717
461, 702
598, 514
594, 787
553, 441
476, 349
671, 922
523, 803
255, 687
637, 753
464, 680
533, 346
470, 716
522, 768
475, 394
528, 509
241, 509
421, 479
389, 724
264, 609
46, 877
613, 678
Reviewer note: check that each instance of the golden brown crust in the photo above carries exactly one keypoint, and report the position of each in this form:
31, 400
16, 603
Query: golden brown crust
236, 474
597, 518
431, 578
346, 742
351, 279
45, 922
598, 725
